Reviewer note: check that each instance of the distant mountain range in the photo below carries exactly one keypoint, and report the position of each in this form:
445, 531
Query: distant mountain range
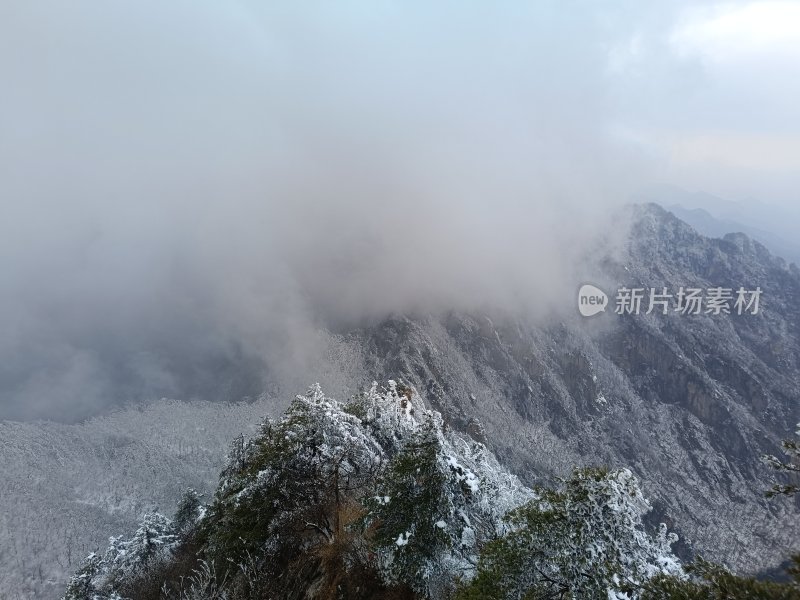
712, 216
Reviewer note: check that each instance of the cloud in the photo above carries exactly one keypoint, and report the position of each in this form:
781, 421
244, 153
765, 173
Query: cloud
708, 91
191, 191
729, 33
762, 152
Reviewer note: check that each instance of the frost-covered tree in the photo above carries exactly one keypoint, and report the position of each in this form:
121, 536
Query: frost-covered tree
791, 467
189, 512
103, 578
285, 490
409, 514
377, 498
440, 500
707, 581
150, 544
377, 480
583, 541
82, 585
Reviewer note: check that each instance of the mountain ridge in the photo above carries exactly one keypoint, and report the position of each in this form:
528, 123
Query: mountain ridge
688, 403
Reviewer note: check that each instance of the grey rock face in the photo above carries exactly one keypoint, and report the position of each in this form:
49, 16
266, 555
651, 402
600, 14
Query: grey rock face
689, 402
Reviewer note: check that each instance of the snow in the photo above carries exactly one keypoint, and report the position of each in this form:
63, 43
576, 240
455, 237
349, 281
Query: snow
402, 539
464, 475
468, 537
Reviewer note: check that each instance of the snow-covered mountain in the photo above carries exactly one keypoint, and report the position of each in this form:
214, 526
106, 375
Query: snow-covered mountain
688, 402
712, 216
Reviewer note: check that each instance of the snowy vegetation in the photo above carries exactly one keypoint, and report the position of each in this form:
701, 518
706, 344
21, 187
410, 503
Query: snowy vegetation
585, 540
378, 498
66, 488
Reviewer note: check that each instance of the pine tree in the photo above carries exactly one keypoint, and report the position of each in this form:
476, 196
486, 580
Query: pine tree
102, 578
585, 540
406, 511
81, 586
189, 512
708, 581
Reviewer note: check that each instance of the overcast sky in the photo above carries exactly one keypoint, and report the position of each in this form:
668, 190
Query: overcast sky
189, 186
713, 94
